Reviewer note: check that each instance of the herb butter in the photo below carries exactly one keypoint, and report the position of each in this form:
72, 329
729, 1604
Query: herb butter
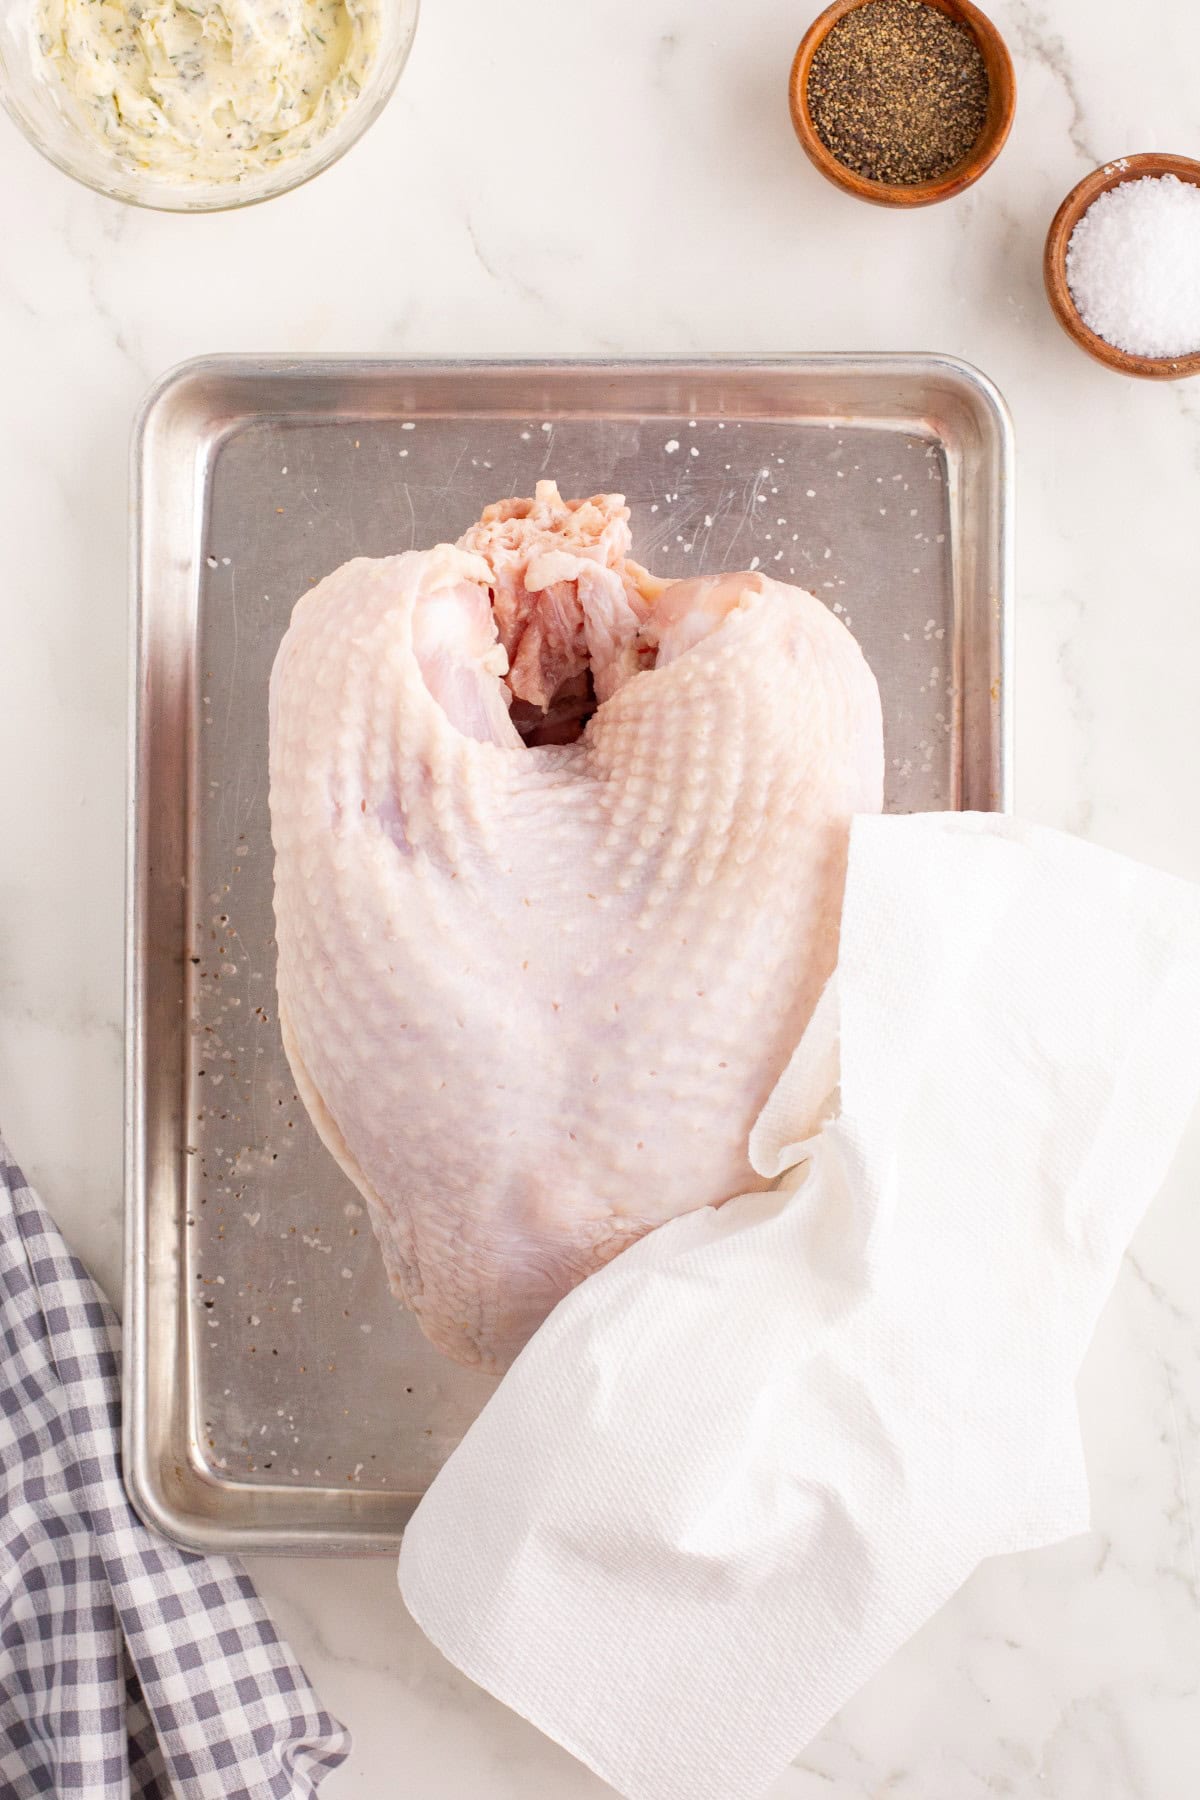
207, 91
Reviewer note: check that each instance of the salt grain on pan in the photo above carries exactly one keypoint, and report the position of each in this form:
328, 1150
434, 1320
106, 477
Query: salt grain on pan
1133, 266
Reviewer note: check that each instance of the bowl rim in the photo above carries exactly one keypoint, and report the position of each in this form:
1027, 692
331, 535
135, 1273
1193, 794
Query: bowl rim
1113, 174
220, 197
1002, 106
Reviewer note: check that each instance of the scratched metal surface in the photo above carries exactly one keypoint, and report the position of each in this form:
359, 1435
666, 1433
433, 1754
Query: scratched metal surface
306, 1409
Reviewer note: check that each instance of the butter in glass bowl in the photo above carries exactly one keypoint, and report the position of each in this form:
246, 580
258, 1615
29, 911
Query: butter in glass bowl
197, 105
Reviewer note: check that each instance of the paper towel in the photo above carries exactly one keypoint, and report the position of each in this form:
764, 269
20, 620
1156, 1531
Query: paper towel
739, 1467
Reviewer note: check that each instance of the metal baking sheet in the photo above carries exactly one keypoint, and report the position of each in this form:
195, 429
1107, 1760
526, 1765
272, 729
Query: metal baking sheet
276, 1396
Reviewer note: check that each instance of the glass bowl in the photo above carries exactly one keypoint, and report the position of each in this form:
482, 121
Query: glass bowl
30, 96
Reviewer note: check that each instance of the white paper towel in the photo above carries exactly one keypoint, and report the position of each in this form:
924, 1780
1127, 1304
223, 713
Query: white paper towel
737, 1469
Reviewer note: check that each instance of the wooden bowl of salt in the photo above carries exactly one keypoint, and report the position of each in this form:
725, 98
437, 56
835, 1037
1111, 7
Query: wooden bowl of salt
1135, 302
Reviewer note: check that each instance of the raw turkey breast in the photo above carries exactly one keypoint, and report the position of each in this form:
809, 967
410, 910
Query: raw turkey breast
535, 994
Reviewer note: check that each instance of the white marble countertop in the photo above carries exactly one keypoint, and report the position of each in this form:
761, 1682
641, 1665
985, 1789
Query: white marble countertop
622, 177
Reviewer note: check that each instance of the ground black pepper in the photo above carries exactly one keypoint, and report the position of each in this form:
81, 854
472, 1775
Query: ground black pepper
898, 92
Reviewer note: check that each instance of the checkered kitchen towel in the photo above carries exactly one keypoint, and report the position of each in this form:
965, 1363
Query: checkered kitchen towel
126, 1667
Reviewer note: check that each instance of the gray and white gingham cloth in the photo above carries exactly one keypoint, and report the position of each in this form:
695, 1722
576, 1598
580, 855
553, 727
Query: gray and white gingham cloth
127, 1669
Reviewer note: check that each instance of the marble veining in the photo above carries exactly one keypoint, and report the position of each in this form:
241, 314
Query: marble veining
1043, 43
621, 179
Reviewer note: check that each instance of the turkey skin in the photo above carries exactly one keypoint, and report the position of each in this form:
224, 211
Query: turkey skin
534, 994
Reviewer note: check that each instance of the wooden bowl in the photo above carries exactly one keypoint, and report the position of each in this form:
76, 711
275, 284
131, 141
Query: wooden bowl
1054, 265
1002, 104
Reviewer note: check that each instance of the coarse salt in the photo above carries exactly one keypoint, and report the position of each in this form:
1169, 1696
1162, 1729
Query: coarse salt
1133, 266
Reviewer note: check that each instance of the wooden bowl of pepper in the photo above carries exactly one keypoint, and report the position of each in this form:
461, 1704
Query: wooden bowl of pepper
902, 102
